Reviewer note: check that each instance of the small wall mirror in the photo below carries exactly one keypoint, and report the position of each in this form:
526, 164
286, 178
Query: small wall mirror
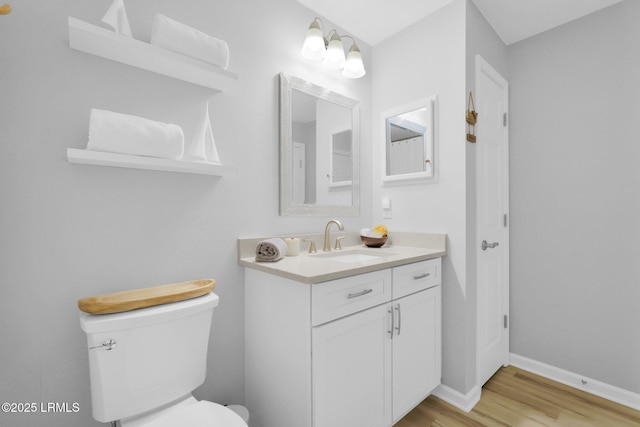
410, 142
319, 150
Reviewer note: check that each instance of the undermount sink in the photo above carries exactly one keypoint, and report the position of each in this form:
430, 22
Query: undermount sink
360, 255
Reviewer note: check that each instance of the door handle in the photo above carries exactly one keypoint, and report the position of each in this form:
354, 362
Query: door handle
399, 319
486, 245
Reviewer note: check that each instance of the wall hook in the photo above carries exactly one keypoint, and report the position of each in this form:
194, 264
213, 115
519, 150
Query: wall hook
5, 9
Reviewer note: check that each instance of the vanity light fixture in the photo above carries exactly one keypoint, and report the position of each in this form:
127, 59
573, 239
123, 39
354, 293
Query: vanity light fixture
331, 51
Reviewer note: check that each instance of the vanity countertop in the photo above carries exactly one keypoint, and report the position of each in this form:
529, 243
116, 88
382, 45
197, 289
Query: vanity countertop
401, 248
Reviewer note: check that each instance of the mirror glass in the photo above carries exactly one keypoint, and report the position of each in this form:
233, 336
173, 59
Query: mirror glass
410, 140
319, 142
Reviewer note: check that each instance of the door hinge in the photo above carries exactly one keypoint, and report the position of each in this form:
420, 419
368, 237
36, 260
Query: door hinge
506, 321
504, 120
505, 220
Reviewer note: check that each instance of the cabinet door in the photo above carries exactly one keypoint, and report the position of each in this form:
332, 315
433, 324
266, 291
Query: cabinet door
352, 370
416, 349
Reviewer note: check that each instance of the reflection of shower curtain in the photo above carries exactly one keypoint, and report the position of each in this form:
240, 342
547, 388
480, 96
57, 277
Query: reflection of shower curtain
407, 156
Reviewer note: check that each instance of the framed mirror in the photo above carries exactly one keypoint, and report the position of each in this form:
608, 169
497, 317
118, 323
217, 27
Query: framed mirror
319, 150
410, 143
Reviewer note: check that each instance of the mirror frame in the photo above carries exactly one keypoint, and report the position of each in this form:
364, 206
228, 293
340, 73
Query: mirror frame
431, 139
287, 205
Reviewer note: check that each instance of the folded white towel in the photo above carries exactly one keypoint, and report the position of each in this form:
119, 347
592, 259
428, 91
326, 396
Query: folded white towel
271, 250
203, 146
122, 133
116, 18
366, 232
173, 35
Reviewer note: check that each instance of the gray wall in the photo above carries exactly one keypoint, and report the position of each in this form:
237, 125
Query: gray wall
575, 203
70, 231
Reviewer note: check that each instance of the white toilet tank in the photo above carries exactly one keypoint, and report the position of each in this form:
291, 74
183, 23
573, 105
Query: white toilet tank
159, 355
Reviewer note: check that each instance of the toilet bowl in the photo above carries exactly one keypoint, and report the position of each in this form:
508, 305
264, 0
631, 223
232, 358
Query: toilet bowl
145, 363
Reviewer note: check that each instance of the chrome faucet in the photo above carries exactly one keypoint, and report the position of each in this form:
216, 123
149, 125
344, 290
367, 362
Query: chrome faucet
327, 234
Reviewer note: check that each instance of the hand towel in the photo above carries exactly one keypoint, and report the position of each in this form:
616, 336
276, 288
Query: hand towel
175, 36
122, 133
271, 250
116, 17
203, 147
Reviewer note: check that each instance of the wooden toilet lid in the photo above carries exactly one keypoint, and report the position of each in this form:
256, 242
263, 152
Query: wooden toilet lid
145, 297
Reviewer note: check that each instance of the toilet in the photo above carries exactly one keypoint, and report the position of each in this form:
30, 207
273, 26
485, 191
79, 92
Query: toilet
145, 363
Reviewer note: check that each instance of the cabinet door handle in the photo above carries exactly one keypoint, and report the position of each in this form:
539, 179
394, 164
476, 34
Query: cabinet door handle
359, 294
399, 319
421, 276
390, 311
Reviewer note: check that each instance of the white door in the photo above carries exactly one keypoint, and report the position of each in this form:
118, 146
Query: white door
299, 173
492, 220
416, 349
351, 367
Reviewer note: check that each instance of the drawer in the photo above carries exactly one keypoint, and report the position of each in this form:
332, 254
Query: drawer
338, 298
411, 278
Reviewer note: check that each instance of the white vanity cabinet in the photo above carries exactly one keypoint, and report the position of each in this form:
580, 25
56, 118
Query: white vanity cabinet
360, 351
416, 345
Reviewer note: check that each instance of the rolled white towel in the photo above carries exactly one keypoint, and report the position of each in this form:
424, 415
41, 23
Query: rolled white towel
271, 250
175, 36
123, 133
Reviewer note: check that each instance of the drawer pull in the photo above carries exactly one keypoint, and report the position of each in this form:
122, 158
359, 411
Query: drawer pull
421, 276
359, 294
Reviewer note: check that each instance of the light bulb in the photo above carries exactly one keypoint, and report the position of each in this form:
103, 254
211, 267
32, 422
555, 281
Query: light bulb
334, 58
354, 67
314, 47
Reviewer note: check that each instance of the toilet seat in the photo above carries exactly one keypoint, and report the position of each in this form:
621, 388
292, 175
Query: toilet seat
199, 414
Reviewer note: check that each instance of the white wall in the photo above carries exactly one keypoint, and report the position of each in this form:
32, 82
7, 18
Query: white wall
481, 39
424, 60
575, 205
71, 231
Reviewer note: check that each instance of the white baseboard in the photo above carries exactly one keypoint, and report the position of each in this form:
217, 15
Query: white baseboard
607, 391
464, 402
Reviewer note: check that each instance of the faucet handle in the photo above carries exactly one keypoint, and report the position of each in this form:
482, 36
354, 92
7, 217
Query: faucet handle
338, 245
312, 245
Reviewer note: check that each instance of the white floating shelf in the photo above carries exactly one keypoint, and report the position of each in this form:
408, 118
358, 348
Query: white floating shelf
99, 158
102, 42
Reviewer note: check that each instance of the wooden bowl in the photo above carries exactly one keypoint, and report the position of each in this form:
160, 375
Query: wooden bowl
374, 242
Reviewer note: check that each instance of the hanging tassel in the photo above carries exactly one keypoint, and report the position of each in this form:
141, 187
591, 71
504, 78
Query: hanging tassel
472, 119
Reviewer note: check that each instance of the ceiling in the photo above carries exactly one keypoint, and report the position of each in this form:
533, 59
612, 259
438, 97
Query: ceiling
375, 20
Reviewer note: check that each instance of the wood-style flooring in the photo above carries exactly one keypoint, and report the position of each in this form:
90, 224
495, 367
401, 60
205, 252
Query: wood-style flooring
517, 398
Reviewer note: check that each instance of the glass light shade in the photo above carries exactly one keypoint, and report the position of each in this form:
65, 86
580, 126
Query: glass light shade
334, 58
354, 67
313, 47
